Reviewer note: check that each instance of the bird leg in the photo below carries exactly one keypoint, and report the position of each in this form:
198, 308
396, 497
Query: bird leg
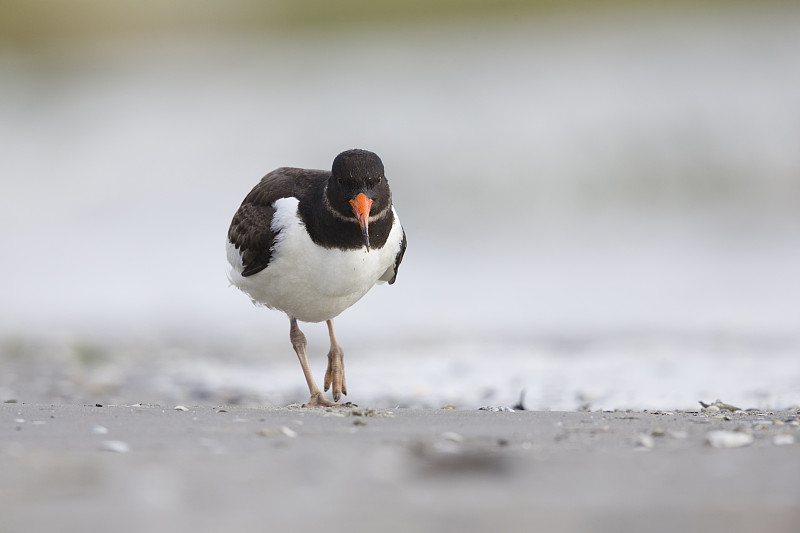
334, 375
299, 345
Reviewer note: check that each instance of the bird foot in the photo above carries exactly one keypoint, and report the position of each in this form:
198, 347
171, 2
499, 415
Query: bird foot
318, 400
334, 375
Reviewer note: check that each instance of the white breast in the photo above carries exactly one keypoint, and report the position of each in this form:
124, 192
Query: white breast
305, 280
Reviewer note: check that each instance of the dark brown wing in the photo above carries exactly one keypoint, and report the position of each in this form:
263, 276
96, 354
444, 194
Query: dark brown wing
398, 258
251, 228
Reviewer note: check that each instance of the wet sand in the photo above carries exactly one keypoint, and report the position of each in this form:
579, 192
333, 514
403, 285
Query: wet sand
154, 468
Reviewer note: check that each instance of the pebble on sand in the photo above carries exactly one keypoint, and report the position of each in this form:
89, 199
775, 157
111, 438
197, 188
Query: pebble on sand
719, 405
783, 439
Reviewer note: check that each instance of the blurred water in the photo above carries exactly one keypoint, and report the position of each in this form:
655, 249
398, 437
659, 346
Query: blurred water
629, 173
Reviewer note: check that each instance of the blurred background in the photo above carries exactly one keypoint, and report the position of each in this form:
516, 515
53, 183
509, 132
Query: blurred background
602, 202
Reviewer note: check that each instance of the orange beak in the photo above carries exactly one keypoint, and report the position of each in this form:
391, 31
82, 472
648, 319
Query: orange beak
361, 205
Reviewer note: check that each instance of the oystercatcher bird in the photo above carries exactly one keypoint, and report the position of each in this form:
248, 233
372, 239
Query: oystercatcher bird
311, 243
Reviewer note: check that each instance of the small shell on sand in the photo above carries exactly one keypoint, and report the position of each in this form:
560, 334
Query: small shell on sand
728, 439
449, 443
452, 436
286, 431
645, 442
115, 446
783, 439
289, 432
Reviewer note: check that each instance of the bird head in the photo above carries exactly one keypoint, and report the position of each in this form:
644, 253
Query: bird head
358, 182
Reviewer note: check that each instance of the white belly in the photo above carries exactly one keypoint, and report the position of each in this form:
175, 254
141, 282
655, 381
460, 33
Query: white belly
309, 282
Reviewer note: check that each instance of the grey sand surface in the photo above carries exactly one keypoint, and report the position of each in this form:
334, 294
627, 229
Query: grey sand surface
155, 468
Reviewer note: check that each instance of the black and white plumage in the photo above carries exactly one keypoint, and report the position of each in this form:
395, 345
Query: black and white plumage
311, 243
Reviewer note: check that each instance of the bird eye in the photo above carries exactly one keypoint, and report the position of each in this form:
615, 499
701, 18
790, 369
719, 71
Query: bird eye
339, 181
379, 179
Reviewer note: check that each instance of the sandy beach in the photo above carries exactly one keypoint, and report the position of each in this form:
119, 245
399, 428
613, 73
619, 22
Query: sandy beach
208, 468
602, 208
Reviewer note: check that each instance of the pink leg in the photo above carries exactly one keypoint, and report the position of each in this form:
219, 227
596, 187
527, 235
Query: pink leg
334, 375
